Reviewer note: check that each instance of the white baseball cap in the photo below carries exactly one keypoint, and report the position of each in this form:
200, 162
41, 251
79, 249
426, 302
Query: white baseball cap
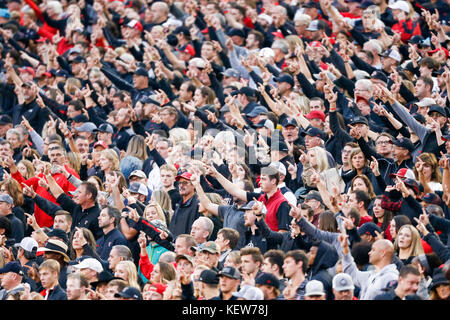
90, 263
281, 168
401, 5
28, 244
314, 288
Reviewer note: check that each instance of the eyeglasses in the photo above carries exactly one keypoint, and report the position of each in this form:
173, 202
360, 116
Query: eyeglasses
183, 183
383, 142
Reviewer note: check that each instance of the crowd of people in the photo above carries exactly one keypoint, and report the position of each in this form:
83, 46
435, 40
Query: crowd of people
224, 150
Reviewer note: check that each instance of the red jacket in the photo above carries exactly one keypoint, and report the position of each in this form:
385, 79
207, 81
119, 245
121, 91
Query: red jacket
407, 29
45, 31
272, 204
42, 218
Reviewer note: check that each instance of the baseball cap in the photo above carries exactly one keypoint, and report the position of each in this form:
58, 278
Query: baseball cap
316, 114
285, 78
359, 119
265, 123
249, 92
141, 72
27, 70
28, 244
6, 198
209, 277
439, 49
413, 184
230, 272
248, 292
188, 48
184, 256
100, 143
129, 293
103, 277
230, 72
391, 53
401, 5
342, 282
210, 246
185, 175
369, 228
90, 263
105, 127
404, 143
157, 287
312, 195
426, 102
267, 279
86, 127
315, 132
79, 59
28, 84
134, 24
248, 206
13, 266
378, 74
403, 173
197, 62
280, 146
313, 26
432, 198
5, 119
257, 111
289, 122
436, 108
236, 32
182, 29
80, 118
314, 288
417, 39
138, 173
137, 187
61, 73
280, 167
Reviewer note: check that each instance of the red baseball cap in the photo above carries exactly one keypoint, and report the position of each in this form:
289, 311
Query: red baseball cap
157, 287
28, 70
101, 144
402, 173
316, 114
134, 24
189, 49
437, 49
185, 175
278, 34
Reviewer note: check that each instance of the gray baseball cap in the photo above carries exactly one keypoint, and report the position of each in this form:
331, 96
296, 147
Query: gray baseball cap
87, 127
6, 198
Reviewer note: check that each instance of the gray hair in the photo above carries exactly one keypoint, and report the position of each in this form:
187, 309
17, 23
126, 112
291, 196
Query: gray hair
281, 44
208, 225
123, 251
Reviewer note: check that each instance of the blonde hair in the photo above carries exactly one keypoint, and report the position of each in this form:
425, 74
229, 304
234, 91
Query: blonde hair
416, 247
112, 156
162, 198
74, 161
322, 159
51, 265
132, 273
30, 168
159, 210
137, 147
180, 135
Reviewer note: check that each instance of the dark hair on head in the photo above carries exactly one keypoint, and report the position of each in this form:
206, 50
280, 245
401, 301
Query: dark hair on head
248, 186
401, 220
258, 36
428, 81
360, 252
430, 63
355, 215
275, 256
91, 188
6, 224
362, 196
408, 269
369, 55
113, 212
327, 221
387, 217
231, 235
255, 252
78, 104
298, 255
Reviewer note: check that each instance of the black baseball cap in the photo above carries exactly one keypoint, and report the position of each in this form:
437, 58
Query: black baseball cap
209, 277
129, 293
289, 122
359, 119
79, 59
230, 272
314, 132
285, 78
267, 279
404, 143
141, 72
5, 119
236, 32
104, 127
436, 108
